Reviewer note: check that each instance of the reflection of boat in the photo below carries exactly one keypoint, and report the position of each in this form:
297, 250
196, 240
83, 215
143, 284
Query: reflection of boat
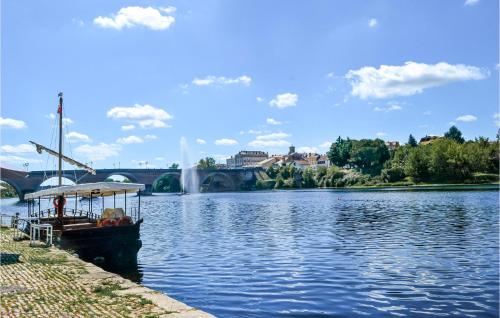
113, 237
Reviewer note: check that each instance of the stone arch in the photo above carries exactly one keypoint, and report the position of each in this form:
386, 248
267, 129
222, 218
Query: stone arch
125, 174
228, 186
64, 175
176, 175
16, 187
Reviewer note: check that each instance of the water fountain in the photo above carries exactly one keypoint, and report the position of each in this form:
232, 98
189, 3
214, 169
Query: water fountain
189, 174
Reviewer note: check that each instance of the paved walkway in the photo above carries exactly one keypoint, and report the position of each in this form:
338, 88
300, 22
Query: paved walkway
48, 282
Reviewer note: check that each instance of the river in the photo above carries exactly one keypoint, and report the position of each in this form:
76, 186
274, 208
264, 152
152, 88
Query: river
324, 253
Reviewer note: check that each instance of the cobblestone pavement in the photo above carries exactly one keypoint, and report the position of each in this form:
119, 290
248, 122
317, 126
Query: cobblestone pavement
48, 282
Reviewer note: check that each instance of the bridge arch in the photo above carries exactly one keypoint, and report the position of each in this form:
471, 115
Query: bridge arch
173, 182
217, 181
125, 174
16, 187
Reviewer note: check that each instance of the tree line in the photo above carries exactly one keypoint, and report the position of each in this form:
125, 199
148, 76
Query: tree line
368, 162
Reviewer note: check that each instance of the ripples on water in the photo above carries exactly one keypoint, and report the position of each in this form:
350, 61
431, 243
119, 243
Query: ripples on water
325, 253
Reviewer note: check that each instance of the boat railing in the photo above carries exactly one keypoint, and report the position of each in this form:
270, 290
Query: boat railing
52, 212
132, 212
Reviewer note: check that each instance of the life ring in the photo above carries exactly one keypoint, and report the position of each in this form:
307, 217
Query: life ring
57, 202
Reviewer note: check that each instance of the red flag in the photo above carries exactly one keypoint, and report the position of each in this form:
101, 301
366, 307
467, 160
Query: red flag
59, 109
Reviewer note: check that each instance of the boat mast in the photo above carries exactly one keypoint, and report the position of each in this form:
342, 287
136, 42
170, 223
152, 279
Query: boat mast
59, 111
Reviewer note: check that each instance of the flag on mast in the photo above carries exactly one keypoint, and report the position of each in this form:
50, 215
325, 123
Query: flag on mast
59, 109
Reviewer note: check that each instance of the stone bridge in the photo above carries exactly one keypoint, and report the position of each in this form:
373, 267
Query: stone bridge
210, 180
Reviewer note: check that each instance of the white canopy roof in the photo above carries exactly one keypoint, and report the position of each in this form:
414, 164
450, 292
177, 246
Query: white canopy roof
85, 189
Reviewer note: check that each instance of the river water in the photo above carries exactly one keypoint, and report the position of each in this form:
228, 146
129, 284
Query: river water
324, 253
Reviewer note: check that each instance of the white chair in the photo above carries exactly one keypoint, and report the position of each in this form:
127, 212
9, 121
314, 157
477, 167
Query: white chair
35, 230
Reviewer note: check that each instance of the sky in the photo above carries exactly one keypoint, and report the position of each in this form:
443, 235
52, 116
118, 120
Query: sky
137, 76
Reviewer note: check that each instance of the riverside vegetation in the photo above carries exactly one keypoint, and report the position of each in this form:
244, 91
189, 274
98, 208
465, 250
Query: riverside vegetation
368, 162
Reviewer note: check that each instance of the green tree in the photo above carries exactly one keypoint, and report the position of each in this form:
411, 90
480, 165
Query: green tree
6, 190
411, 141
417, 164
207, 163
369, 155
272, 172
174, 166
454, 134
308, 179
340, 151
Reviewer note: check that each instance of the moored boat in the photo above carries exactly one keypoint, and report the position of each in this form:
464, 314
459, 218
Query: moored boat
110, 236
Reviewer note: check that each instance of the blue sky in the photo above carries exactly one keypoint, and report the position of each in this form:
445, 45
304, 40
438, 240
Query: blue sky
241, 75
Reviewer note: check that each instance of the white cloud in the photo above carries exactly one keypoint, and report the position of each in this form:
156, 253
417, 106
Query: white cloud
372, 23
471, 2
134, 16
381, 134
98, 152
274, 140
160, 158
496, 116
272, 121
254, 132
326, 144
200, 141
22, 148
12, 123
221, 80
259, 99
130, 140
226, 142
67, 121
284, 100
74, 136
153, 123
128, 127
17, 159
146, 116
139, 112
388, 108
466, 118
151, 137
427, 113
307, 149
273, 136
269, 143
408, 79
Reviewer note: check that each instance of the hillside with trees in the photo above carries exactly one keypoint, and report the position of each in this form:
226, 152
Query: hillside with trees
368, 162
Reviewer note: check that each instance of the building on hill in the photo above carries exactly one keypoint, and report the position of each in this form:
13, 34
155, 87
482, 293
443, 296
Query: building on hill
392, 145
246, 158
429, 139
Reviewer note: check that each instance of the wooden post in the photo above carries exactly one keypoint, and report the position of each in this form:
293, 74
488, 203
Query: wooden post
114, 200
125, 202
139, 213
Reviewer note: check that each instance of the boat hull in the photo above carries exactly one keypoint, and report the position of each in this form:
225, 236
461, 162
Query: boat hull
114, 246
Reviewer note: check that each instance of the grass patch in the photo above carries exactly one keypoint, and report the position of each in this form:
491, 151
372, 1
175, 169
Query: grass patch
144, 302
106, 289
54, 260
